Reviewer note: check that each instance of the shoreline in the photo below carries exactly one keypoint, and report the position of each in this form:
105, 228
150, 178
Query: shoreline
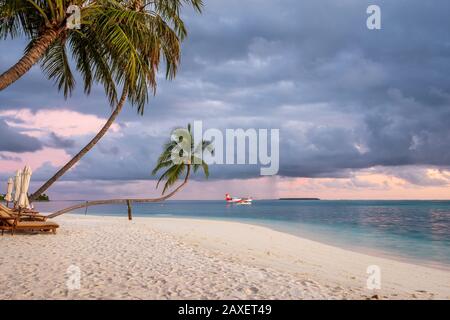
380, 253
179, 258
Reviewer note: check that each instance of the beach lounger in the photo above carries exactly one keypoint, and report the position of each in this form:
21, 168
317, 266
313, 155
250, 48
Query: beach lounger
26, 214
13, 222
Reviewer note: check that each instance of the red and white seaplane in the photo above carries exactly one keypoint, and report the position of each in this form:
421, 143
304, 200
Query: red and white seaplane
240, 201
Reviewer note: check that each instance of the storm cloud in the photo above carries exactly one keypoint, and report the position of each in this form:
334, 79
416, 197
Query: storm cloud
14, 141
345, 98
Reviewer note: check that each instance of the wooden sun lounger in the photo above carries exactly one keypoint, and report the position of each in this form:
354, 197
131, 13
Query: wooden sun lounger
26, 214
13, 222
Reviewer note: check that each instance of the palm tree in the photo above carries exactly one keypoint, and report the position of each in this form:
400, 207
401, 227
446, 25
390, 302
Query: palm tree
120, 42
174, 171
44, 23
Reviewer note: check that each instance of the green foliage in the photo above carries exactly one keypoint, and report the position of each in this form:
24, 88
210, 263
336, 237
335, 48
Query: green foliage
43, 197
174, 171
120, 42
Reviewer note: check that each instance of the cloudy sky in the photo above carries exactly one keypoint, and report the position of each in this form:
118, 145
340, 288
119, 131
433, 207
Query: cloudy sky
363, 114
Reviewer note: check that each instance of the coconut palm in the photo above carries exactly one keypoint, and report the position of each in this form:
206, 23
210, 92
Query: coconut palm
120, 42
174, 171
112, 24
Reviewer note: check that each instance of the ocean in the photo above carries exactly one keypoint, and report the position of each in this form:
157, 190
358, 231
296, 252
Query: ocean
415, 231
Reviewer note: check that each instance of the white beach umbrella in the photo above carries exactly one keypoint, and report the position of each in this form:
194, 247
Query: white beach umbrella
17, 184
26, 177
9, 190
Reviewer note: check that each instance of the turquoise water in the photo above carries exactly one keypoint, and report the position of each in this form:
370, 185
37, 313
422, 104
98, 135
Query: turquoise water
416, 231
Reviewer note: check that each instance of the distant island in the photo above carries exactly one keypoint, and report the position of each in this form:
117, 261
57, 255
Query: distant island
304, 199
42, 197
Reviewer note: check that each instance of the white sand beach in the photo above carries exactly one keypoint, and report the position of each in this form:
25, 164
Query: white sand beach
168, 258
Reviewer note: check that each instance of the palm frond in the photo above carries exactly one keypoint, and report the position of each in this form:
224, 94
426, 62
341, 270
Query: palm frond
56, 66
173, 170
121, 42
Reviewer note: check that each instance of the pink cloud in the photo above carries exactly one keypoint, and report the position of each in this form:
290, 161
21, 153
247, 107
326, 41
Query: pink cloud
65, 123
361, 186
364, 185
57, 157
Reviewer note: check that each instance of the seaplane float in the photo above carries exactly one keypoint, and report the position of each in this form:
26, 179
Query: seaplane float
239, 201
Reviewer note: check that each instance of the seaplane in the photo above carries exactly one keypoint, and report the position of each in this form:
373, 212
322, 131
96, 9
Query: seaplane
240, 201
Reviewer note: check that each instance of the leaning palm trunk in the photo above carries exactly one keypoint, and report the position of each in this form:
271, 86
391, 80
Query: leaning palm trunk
124, 201
85, 150
30, 58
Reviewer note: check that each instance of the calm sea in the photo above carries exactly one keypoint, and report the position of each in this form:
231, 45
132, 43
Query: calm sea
416, 231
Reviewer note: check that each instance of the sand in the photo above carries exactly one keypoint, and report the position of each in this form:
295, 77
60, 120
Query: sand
167, 258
